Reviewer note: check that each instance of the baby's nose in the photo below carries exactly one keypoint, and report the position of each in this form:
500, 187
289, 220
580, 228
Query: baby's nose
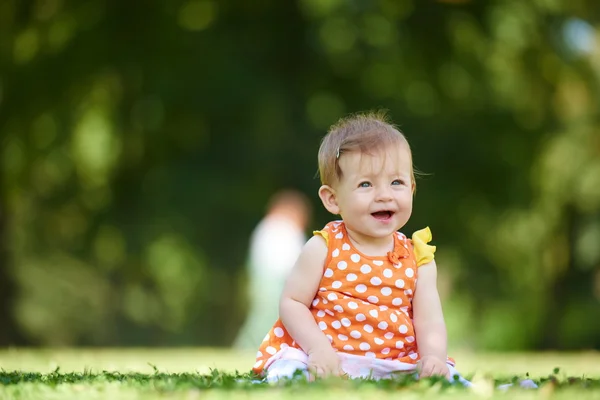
384, 194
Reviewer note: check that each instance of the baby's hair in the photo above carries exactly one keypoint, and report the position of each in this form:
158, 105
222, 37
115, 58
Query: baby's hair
365, 132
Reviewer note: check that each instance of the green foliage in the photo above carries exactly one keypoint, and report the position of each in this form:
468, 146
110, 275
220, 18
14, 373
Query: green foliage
140, 144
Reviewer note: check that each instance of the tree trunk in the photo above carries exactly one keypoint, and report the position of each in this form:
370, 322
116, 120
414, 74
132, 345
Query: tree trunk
9, 335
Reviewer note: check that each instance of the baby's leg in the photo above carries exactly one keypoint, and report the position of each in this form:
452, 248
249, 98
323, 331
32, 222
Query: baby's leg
524, 383
527, 383
456, 376
285, 369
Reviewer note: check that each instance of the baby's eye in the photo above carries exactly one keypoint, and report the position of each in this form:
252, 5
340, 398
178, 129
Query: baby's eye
364, 184
398, 182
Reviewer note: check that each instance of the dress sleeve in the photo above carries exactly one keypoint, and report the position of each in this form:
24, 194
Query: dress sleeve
424, 253
324, 234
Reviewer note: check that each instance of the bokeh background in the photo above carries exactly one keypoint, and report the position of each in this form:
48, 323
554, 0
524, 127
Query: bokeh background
141, 141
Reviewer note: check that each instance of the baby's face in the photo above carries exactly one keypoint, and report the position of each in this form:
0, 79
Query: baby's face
376, 191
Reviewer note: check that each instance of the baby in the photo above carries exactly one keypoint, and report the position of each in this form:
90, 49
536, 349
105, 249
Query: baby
361, 300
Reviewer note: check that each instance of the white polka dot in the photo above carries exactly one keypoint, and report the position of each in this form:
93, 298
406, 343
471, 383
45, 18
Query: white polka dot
399, 265
399, 283
383, 308
375, 281
315, 302
339, 235
355, 334
352, 305
378, 262
329, 312
258, 363
360, 317
364, 346
332, 296
402, 354
373, 299
399, 344
386, 291
343, 338
335, 253
278, 332
284, 346
403, 328
338, 308
408, 292
388, 335
330, 338
322, 289
351, 277
325, 301
259, 354
393, 317
368, 328
328, 273
410, 339
266, 338
365, 269
385, 350
346, 246
387, 273
322, 325
336, 284
370, 354
271, 350
397, 301
361, 288
342, 265
374, 313
413, 356
382, 325
378, 341
336, 324
320, 313
347, 347
404, 309
355, 258
346, 322
409, 272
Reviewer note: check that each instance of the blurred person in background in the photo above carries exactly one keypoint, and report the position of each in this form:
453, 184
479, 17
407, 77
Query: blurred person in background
274, 247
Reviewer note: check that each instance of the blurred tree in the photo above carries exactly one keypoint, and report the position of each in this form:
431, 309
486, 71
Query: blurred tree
140, 144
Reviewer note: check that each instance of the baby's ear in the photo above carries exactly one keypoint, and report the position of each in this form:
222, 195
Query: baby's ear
329, 200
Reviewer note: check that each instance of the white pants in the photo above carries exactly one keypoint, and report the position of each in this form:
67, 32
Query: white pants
286, 369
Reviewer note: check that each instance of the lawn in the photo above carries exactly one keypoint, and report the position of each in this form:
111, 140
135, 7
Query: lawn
191, 373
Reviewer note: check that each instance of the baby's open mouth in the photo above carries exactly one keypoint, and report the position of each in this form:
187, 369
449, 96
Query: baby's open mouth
383, 215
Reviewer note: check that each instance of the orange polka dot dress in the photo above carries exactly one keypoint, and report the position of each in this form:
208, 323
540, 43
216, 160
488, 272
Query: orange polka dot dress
363, 304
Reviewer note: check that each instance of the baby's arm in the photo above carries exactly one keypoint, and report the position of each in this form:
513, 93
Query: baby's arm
297, 296
430, 327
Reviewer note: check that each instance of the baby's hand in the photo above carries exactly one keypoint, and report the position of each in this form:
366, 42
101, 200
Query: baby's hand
324, 362
431, 365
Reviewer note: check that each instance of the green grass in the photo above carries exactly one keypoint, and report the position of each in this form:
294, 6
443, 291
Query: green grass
214, 374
